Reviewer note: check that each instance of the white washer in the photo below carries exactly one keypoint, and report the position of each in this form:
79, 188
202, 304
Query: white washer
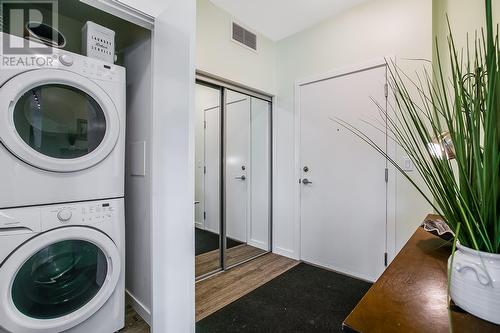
62, 131
62, 268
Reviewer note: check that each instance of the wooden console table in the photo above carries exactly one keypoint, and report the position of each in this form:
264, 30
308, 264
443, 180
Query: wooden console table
411, 295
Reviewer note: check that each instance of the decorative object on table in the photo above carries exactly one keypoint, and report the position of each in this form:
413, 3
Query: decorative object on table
450, 129
45, 34
98, 42
439, 228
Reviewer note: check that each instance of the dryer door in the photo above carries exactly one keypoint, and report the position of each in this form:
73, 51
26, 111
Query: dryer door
57, 280
57, 120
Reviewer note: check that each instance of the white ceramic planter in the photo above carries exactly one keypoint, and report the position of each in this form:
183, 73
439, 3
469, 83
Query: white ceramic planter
475, 283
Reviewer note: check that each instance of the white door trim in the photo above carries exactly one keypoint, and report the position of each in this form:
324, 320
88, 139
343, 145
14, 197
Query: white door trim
128, 13
391, 234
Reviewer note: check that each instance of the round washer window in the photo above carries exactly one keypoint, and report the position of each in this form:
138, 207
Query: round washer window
59, 279
59, 121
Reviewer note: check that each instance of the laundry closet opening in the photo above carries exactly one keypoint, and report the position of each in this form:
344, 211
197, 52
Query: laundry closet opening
233, 175
74, 125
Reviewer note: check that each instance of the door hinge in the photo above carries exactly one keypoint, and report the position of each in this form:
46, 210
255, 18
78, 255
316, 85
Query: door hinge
205, 170
204, 215
386, 175
205, 125
386, 90
385, 259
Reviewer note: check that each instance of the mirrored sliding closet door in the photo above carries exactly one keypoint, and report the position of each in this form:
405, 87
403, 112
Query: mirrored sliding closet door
233, 177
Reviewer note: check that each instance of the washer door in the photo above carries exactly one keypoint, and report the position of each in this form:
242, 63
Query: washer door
57, 120
57, 280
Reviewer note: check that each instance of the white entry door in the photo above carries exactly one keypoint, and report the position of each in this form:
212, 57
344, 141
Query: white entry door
237, 123
343, 184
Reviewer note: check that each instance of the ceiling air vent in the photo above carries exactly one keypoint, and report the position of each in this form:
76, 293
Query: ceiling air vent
245, 37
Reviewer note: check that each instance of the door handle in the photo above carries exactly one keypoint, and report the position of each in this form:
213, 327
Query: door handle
306, 181
241, 178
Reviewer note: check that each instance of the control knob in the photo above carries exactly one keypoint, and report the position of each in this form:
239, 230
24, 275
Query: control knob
64, 215
66, 59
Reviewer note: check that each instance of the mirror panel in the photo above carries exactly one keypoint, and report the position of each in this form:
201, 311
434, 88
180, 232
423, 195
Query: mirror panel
207, 180
247, 177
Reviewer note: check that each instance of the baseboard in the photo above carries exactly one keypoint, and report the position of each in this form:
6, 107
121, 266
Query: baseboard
140, 308
285, 252
258, 244
341, 271
212, 230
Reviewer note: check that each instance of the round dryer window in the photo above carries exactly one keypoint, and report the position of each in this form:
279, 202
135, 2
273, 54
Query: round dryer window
57, 120
59, 279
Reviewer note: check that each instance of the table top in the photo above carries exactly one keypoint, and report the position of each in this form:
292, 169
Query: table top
411, 295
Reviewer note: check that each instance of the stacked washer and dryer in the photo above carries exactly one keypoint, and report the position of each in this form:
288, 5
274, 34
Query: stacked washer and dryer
62, 244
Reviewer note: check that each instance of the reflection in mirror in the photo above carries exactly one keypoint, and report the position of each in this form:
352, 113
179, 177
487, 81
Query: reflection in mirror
247, 177
207, 180
59, 121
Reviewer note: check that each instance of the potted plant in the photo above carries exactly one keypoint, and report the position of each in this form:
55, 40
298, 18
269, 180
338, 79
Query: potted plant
450, 129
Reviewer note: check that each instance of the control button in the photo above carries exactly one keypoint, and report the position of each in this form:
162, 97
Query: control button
64, 215
66, 59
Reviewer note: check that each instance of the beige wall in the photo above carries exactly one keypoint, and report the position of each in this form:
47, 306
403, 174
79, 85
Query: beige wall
217, 54
374, 30
466, 17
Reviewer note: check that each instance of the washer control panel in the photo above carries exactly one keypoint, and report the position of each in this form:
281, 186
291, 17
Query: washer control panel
28, 220
102, 212
84, 213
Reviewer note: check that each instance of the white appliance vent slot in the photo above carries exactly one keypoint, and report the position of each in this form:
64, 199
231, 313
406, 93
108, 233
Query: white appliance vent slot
245, 37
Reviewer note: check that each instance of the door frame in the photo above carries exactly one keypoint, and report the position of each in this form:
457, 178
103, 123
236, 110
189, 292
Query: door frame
389, 61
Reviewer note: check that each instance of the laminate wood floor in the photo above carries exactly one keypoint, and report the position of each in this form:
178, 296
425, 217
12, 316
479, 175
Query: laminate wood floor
210, 262
134, 323
222, 289
214, 293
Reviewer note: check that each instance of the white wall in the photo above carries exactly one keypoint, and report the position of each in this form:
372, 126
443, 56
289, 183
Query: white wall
218, 55
137, 181
466, 17
401, 28
173, 275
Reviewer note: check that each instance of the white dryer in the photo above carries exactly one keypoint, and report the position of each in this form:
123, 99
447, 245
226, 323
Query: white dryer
62, 268
62, 131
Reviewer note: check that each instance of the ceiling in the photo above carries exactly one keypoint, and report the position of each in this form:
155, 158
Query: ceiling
277, 19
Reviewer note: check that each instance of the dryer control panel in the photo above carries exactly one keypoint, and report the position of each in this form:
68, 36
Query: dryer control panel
91, 68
